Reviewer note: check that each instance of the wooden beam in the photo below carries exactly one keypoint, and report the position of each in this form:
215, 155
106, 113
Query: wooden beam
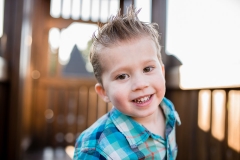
64, 23
159, 17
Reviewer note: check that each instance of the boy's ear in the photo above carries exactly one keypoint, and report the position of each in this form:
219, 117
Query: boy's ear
101, 92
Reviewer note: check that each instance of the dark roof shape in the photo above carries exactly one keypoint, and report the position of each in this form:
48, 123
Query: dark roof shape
76, 65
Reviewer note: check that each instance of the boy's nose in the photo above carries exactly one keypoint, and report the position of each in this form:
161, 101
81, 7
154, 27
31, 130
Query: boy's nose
139, 84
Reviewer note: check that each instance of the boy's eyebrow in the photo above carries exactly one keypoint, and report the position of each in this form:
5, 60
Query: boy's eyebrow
126, 67
152, 60
114, 72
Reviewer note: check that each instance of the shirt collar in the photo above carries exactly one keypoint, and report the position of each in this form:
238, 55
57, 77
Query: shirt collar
169, 112
136, 133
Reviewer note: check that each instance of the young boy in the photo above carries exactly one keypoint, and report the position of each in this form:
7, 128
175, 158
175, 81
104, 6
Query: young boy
127, 65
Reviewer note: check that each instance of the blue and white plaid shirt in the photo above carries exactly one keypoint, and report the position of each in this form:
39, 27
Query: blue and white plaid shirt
116, 136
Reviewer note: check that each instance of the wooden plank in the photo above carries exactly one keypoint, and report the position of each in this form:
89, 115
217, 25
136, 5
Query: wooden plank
203, 145
215, 149
4, 99
159, 17
13, 21
38, 117
57, 130
82, 109
39, 57
71, 116
176, 97
193, 111
233, 121
187, 110
218, 115
64, 23
92, 107
203, 137
48, 117
65, 82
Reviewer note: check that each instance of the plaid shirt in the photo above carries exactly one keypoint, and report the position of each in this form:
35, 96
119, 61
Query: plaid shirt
118, 137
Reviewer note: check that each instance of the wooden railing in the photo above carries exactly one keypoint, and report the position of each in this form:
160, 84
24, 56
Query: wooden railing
63, 108
212, 134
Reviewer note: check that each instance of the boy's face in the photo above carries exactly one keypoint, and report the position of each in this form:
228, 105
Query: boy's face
133, 78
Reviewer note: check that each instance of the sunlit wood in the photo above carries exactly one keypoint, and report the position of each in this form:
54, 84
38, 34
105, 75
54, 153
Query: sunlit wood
86, 8
234, 120
3, 69
204, 107
55, 8
1, 17
76, 9
209, 76
66, 9
95, 10
218, 114
70, 151
104, 10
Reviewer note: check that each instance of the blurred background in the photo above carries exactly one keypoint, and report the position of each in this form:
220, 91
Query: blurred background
47, 95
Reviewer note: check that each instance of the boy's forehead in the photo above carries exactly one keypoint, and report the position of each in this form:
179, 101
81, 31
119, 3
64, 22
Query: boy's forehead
105, 51
121, 43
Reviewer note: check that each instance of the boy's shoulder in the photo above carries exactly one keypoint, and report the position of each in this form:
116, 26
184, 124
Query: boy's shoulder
102, 130
101, 138
114, 136
91, 135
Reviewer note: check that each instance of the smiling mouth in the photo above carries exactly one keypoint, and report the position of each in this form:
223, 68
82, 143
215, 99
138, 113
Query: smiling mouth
143, 99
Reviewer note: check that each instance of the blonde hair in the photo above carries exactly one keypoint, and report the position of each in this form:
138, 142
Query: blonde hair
121, 28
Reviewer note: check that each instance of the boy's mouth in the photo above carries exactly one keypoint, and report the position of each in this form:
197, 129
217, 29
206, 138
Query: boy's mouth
142, 99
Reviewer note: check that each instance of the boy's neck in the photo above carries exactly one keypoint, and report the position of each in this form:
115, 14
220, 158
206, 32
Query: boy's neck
155, 123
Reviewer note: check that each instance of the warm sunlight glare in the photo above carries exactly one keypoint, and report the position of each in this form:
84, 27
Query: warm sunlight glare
203, 31
66, 9
54, 39
234, 120
76, 9
55, 8
204, 35
204, 108
95, 10
70, 151
209, 76
104, 11
114, 7
218, 114
146, 8
1, 17
86, 10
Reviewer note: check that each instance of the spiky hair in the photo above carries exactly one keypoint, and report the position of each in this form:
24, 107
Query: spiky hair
120, 28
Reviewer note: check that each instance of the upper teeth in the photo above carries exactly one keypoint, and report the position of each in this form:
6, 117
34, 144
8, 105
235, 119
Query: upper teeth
141, 100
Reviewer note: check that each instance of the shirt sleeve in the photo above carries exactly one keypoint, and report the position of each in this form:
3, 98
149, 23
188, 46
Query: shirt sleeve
93, 155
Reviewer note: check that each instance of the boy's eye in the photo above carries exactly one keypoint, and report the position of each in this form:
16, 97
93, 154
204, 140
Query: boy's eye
147, 69
122, 76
